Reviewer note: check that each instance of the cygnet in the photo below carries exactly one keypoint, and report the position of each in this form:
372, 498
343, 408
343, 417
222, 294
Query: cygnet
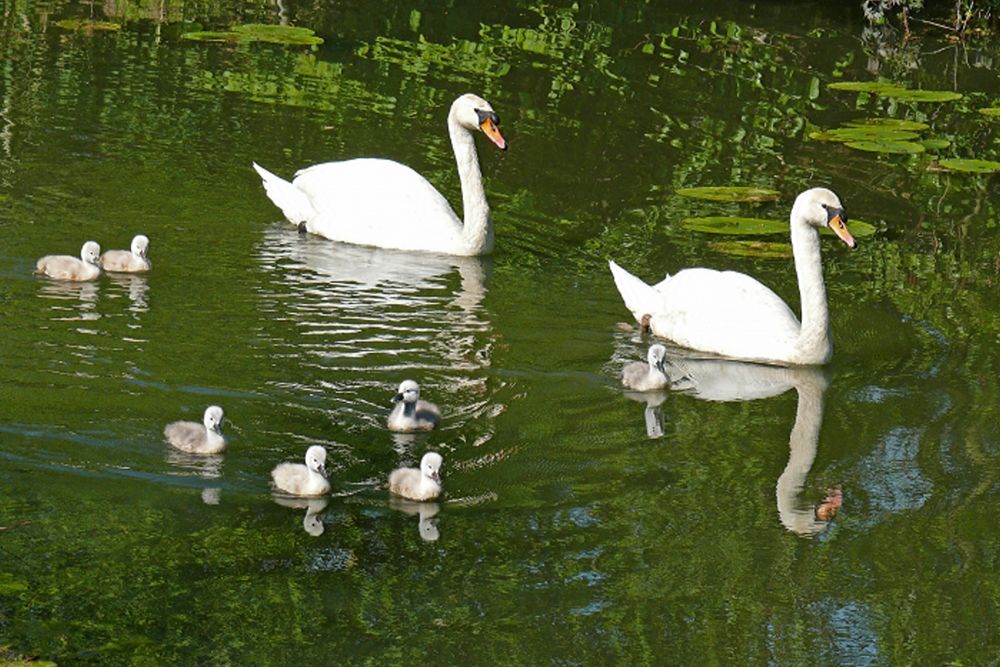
647, 376
411, 413
135, 260
303, 480
204, 438
422, 484
65, 267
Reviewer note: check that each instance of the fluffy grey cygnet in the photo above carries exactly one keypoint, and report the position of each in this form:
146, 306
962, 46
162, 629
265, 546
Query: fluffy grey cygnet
195, 438
647, 376
135, 260
64, 267
303, 480
418, 484
411, 413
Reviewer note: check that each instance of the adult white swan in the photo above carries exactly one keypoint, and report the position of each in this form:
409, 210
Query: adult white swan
732, 314
386, 204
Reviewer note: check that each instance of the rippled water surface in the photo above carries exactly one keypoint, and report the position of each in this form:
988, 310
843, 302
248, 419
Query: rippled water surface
754, 515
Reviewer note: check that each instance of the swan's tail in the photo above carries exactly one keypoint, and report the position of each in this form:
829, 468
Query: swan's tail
639, 297
293, 202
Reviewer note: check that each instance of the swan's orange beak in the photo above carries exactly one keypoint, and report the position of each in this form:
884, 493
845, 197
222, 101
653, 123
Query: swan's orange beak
491, 130
839, 227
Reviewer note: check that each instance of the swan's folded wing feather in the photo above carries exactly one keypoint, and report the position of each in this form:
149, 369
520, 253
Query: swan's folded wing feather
640, 298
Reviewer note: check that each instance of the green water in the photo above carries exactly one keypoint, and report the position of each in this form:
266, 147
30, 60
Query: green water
579, 526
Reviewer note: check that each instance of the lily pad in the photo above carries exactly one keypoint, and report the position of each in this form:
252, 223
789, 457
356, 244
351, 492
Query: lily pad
924, 95
259, 32
894, 147
863, 134
877, 87
935, 144
737, 226
973, 166
890, 124
991, 112
761, 249
730, 194
88, 25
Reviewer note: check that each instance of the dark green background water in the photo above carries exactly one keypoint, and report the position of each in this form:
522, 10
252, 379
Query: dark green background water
566, 535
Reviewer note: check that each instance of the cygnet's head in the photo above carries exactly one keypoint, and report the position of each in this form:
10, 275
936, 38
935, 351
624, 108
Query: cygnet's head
409, 392
430, 466
822, 208
213, 419
140, 246
91, 252
474, 113
316, 459
656, 355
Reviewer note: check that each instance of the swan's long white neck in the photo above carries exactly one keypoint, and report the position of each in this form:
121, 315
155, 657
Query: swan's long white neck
813, 345
477, 230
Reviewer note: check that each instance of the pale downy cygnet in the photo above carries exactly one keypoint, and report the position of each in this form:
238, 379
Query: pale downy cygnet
303, 480
204, 438
422, 484
647, 376
65, 267
135, 260
411, 413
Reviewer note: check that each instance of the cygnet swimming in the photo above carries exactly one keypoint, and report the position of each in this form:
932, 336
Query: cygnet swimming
647, 376
303, 480
411, 413
204, 438
64, 267
422, 484
135, 260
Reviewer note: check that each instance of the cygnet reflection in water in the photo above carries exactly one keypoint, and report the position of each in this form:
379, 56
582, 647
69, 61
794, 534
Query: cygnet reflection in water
312, 521
134, 286
427, 525
199, 465
653, 412
78, 300
713, 379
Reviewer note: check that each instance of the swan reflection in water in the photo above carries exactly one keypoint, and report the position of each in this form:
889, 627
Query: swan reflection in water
713, 379
199, 465
653, 412
312, 521
367, 318
427, 524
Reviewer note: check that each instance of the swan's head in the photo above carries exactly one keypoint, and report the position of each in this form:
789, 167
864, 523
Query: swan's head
316, 459
91, 252
819, 207
430, 466
140, 246
474, 113
656, 356
213, 419
409, 392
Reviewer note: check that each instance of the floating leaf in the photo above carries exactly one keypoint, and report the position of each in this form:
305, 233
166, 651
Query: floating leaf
730, 194
923, 95
877, 87
88, 25
894, 147
761, 249
889, 124
935, 144
863, 134
737, 226
213, 36
991, 112
974, 166
259, 32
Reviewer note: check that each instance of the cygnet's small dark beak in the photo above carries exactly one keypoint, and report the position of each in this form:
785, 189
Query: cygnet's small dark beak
436, 476
397, 398
322, 469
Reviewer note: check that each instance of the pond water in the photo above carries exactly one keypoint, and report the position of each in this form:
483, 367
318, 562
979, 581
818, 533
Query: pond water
580, 525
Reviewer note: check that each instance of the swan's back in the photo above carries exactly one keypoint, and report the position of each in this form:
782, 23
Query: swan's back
295, 478
64, 267
365, 200
701, 305
123, 261
406, 482
637, 375
193, 437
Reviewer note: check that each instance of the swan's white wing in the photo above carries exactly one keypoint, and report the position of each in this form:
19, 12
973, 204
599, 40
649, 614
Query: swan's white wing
378, 202
640, 298
293, 202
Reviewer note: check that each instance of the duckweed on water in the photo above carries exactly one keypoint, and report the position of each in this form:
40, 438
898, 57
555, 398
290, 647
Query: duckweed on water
727, 193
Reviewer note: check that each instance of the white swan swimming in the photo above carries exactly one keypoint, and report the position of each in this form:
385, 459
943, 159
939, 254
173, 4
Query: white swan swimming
648, 376
411, 413
195, 438
303, 480
65, 267
422, 484
383, 203
732, 314
135, 260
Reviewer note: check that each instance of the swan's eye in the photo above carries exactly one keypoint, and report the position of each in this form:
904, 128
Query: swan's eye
484, 116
